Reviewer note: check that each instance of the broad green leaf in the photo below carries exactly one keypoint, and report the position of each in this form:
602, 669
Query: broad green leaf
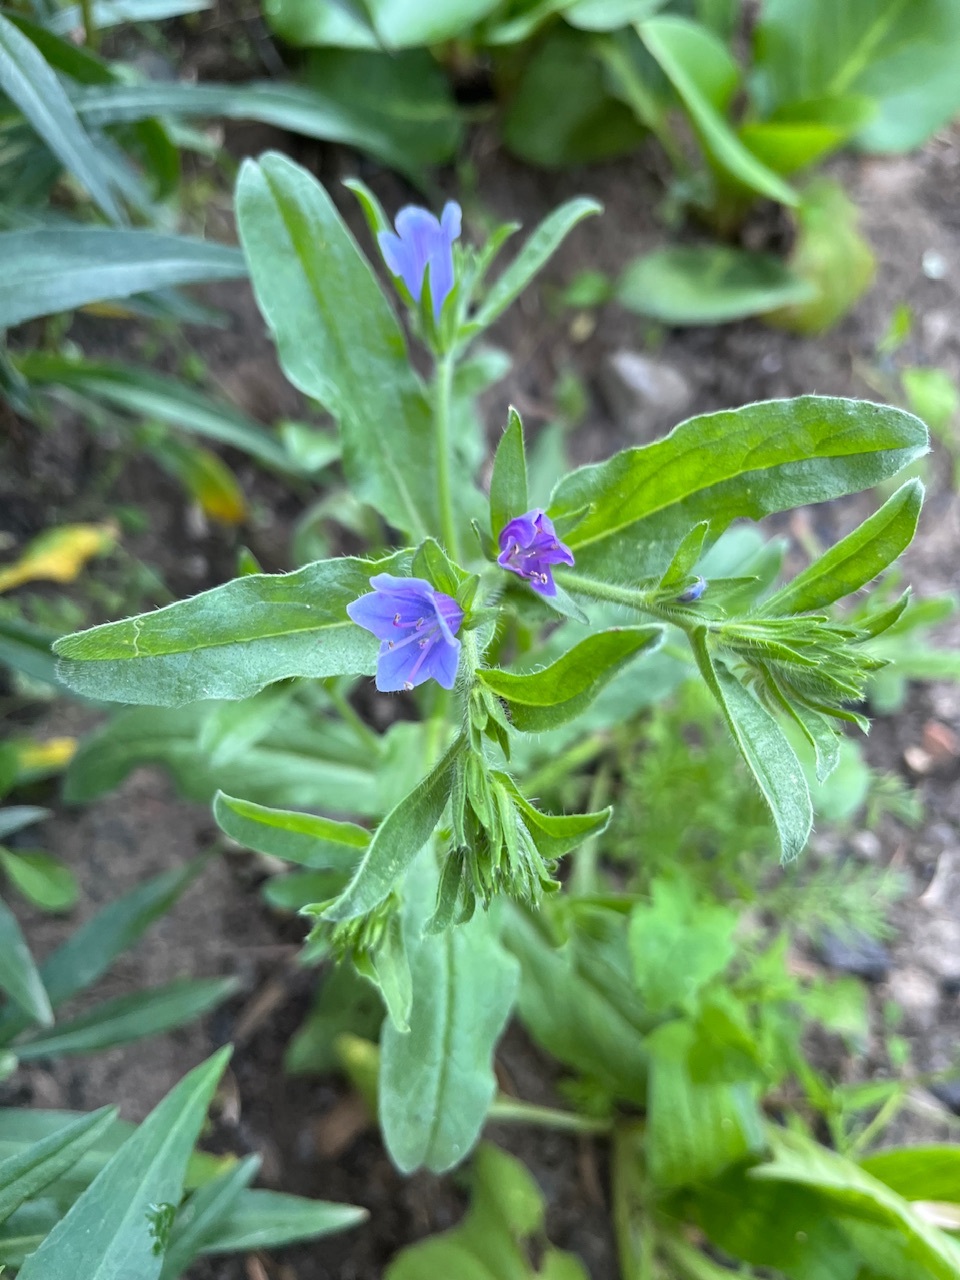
765, 749
156, 397
865, 1208
609, 15
392, 24
270, 1219
538, 250
231, 641
856, 559
202, 1214
319, 109
32, 85
678, 945
26, 1173
508, 482
703, 73
303, 838
695, 1129
829, 254
17, 816
708, 284
544, 699
337, 338
917, 1173
300, 889
87, 954
797, 135
26, 648
933, 396
233, 728
47, 883
503, 1227
747, 462
127, 1018
397, 841
563, 111
114, 13
900, 53
49, 270
577, 1020
105, 1234
18, 972
437, 1080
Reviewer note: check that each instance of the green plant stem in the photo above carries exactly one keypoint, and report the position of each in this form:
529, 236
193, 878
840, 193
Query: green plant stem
635, 1243
515, 1111
90, 34
441, 423
567, 762
627, 596
876, 1126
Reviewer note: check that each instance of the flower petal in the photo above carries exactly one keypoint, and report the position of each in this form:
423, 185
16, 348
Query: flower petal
441, 664
451, 221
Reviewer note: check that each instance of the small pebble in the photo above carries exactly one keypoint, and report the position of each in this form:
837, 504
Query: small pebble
855, 953
934, 264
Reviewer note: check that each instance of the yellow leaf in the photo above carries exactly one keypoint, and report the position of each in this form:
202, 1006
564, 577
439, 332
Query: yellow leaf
59, 554
207, 479
55, 753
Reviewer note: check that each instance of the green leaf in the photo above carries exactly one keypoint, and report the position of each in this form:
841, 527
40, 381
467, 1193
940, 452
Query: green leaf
337, 338
856, 559
694, 1130
933, 396
901, 55
49, 270
202, 1215
747, 462
114, 13
803, 132
555, 833
563, 112
26, 648
708, 284
392, 24
508, 482
231, 641
503, 1227
540, 700
678, 945
437, 1080
17, 816
767, 752
397, 841
830, 255
270, 1219
129, 1018
865, 1208
705, 76
161, 399
32, 86
25, 1174
538, 250
918, 1173
346, 1004
105, 1234
18, 972
47, 883
303, 838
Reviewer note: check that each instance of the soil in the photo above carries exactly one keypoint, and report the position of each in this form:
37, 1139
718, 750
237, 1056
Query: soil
309, 1132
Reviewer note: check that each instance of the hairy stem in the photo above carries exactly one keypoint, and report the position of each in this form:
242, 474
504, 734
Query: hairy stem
441, 422
627, 596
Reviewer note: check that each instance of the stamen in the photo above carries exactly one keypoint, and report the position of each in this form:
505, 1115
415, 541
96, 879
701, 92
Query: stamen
408, 685
396, 619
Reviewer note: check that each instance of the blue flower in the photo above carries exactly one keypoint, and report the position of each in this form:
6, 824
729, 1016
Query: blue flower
420, 242
416, 627
529, 546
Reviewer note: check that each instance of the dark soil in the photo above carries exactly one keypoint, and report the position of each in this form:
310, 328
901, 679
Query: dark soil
310, 1134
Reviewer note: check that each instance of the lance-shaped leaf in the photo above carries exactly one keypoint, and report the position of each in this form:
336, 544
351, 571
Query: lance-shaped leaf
762, 743
32, 85
540, 700
231, 641
18, 972
57, 269
202, 1214
555, 834
304, 838
538, 250
270, 1219
704, 75
747, 462
105, 1235
25, 1173
338, 339
508, 481
856, 559
397, 841
437, 1080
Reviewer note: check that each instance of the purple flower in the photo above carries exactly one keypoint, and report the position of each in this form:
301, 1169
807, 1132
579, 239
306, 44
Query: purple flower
529, 546
416, 627
420, 242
